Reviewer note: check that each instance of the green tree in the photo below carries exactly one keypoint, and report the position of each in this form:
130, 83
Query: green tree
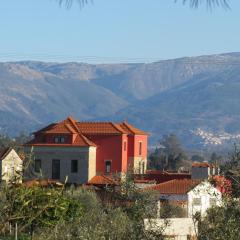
157, 160
173, 151
35, 207
231, 170
169, 156
221, 222
197, 158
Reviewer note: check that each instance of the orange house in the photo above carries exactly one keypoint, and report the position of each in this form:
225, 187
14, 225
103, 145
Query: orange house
81, 150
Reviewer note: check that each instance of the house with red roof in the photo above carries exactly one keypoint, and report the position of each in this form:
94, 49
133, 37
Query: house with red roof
204, 170
82, 150
192, 195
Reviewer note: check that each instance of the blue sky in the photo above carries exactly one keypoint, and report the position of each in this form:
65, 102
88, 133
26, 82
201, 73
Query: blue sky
114, 31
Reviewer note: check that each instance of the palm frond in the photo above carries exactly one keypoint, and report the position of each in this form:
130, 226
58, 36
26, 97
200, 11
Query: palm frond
193, 3
210, 3
68, 3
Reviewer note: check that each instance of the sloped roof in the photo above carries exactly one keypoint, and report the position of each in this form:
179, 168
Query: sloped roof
102, 180
85, 130
67, 126
4, 152
70, 125
175, 186
42, 183
161, 177
202, 164
109, 128
101, 128
130, 129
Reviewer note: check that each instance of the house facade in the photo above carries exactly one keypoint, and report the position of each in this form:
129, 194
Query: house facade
191, 195
10, 166
202, 197
81, 150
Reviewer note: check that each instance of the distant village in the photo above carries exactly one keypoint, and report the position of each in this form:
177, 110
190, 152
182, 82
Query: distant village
99, 155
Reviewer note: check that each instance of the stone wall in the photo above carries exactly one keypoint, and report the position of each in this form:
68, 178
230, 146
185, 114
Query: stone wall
86, 157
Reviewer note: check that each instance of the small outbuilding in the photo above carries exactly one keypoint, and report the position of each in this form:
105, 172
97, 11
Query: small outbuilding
10, 166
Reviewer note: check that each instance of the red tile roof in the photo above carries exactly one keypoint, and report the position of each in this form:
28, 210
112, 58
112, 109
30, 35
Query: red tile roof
102, 180
68, 126
100, 128
175, 186
84, 130
131, 129
42, 183
161, 177
91, 128
202, 164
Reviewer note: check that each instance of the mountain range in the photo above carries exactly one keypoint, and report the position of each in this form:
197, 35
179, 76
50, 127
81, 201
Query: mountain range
170, 96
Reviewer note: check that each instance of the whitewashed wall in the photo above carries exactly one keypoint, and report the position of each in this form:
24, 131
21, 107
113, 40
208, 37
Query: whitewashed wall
11, 165
177, 228
206, 193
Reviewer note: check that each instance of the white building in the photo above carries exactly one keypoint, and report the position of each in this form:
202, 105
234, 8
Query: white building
10, 165
202, 197
191, 195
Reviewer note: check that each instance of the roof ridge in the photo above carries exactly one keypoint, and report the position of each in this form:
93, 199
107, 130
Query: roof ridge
93, 122
128, 127
86, 140
69, 127
5, 152
113, 124
73, 122
134, 130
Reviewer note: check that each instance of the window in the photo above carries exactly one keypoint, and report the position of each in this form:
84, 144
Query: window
197, 201
37, 165
59, 139
125, 146
140, 148
74, 166
108, 166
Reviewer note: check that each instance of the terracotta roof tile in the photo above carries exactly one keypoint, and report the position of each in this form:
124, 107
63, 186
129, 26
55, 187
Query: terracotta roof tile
175, 186
67, 126
102, 180
160, 177
84, 130
131, 129
83, 141
70, 125
99, 128
42, 183
202, 164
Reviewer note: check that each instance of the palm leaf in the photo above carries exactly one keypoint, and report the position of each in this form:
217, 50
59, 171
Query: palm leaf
192, 3
209, 3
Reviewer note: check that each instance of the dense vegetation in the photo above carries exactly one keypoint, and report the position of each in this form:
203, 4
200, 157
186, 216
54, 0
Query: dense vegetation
60, 213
